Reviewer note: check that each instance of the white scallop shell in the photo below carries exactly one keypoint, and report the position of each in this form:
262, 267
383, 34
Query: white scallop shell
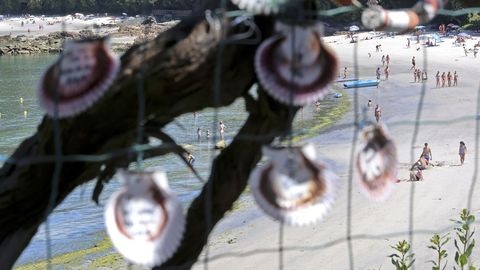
294, 187
264, 7
83, 73
376, 165
294, 67
144, 219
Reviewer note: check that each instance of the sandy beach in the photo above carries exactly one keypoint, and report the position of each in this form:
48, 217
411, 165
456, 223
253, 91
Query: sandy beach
248, 239
36, 35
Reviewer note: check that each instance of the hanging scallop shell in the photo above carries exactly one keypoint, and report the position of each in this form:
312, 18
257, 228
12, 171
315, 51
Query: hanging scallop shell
81, 76
295, 67
262, 7
376, 166
294, 186
144, 219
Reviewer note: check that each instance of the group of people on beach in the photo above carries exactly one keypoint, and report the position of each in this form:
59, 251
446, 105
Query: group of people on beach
419, 75
425, 158
446, 79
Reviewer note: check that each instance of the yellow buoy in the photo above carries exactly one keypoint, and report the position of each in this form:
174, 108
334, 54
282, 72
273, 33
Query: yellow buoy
21, 100
25, 113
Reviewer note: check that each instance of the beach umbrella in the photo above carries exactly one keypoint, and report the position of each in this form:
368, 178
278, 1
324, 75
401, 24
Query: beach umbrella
124, 14
453, 26
353, 28
419, 27
463, 35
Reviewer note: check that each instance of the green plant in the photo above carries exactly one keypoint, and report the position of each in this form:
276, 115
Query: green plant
464, 242
437, 244
402, 261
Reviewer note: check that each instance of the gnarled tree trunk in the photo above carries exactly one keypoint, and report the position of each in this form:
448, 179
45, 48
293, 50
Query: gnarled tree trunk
178, 72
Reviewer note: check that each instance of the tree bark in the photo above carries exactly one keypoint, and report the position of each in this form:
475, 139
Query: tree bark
177, 69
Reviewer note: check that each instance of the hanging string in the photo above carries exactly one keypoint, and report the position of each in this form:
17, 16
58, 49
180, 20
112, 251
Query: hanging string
217, 84
356, 128
416, 129
475, 170
57, 144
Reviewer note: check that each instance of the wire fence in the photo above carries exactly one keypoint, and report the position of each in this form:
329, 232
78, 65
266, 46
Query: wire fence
140, 148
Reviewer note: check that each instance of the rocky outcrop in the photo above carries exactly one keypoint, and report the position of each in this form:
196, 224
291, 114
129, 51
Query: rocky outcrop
52, 42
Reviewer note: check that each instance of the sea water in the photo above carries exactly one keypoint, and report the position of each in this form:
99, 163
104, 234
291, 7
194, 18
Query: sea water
77, 223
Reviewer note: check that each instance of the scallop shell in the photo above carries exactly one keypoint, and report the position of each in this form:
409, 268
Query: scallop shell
376, 165
263, 7
82, 74
294, 187
144, 219
297, 76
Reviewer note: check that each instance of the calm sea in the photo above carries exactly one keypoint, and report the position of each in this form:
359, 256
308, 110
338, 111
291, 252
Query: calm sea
78, 223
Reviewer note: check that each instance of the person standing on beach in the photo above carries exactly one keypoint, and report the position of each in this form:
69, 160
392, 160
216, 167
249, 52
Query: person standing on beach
345, 73
419, 75
207, 134
369, 104
427, 153
408, 43
455, 78
465, 50
475, 51
444, 77
388, 59
413, 63
387, 72
222, 128
449, 79
378, 73
378, 113
199, 134
415, 76
438, 79
462, 150
383, 60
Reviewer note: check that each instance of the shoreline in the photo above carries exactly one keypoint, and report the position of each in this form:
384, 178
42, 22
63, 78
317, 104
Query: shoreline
439, 201
104, 254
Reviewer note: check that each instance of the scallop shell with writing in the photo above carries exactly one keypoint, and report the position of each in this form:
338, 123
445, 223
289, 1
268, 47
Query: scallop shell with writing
295, 67
79, 78
294, 187
144, 219
376, 164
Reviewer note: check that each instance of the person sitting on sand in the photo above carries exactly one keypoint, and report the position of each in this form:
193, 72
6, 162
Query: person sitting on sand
462, 150
427, 153
437, 76
416, 174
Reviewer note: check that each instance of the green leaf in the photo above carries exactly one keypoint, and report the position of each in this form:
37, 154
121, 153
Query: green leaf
468, 252
463, 260
457, 255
